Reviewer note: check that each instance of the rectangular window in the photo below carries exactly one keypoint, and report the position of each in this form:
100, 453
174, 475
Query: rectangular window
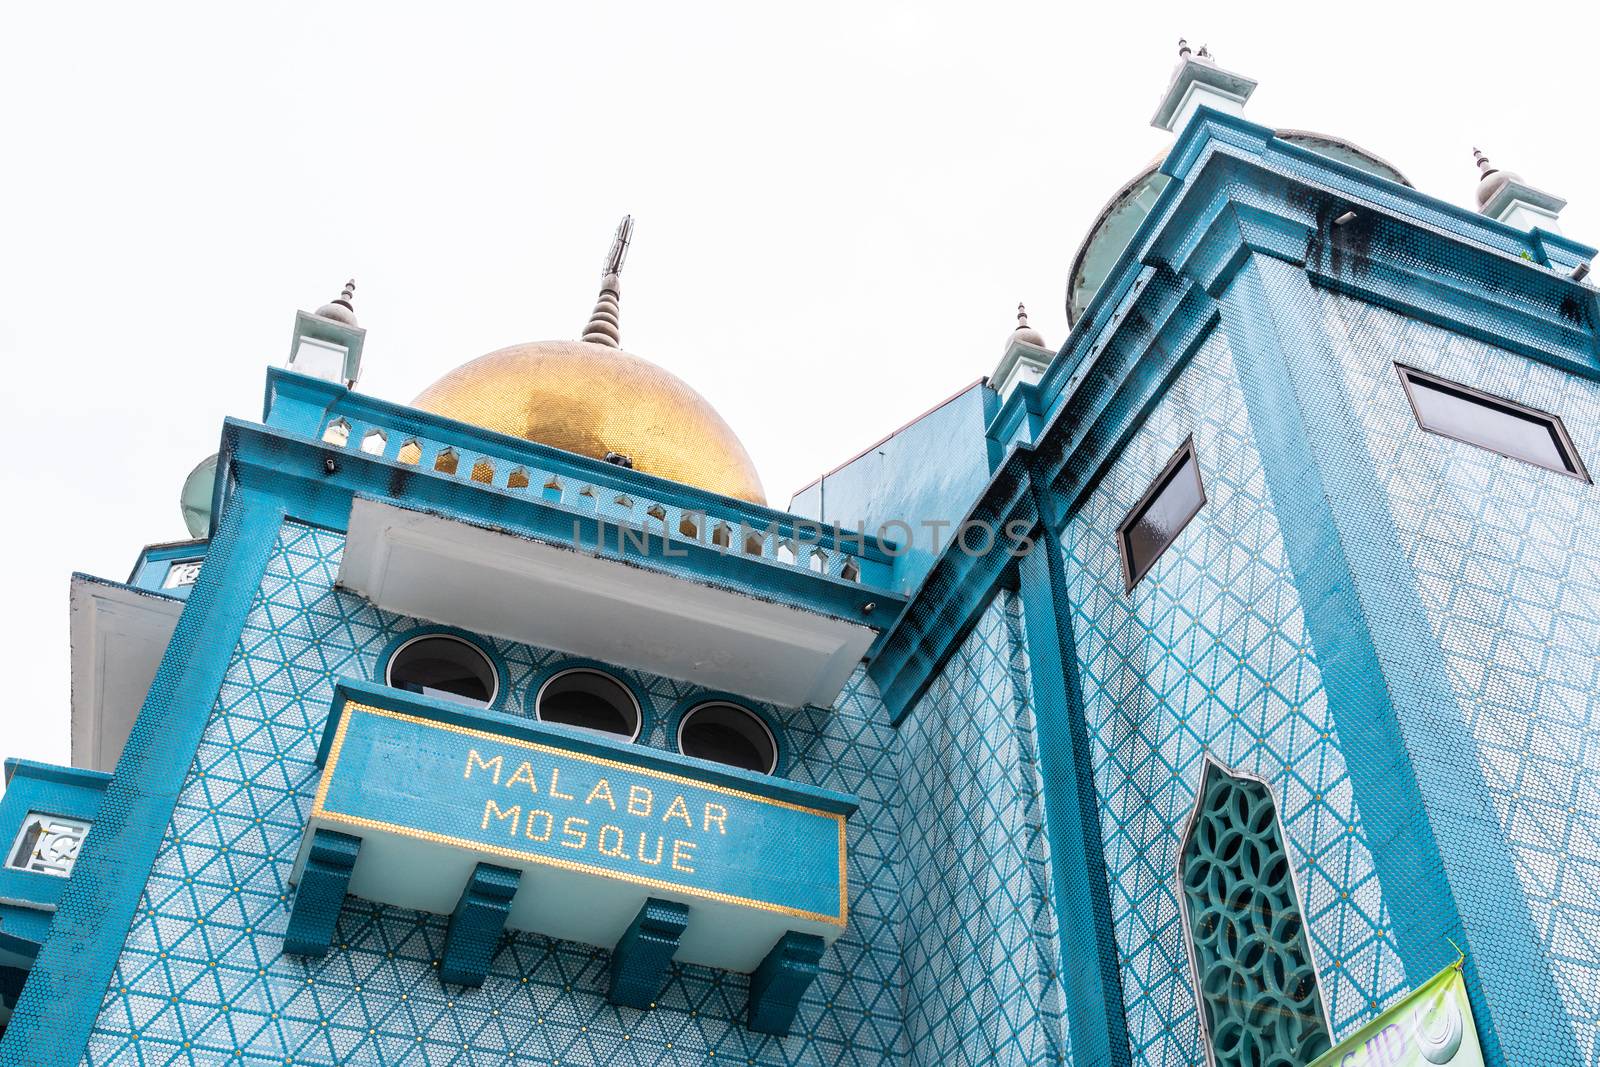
1175, 497
1499, 425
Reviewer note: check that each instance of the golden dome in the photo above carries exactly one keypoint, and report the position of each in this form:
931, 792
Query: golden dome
593, 399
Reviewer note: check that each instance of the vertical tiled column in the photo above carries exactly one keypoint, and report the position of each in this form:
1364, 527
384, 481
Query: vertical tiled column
58, 1005
1437, 847
1090, 968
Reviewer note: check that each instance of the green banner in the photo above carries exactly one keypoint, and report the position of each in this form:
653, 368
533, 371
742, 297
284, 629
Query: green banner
1434, 1025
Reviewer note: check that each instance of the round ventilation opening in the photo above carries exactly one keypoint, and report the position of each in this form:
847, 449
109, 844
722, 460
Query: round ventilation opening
589, 700
726, 733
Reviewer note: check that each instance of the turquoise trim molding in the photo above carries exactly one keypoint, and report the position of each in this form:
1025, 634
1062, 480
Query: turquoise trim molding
57, 1008
1090, 962
321, 892
476, 925
778, 985
640, 962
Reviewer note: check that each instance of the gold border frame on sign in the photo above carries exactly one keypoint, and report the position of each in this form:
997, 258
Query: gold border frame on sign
319, 809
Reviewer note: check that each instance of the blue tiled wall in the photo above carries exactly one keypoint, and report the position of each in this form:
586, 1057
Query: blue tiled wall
978, 925
1210, 653
1508, 571
201, 978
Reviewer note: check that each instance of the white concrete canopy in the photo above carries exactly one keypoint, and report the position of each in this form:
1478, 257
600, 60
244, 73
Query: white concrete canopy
553, 596
119, 635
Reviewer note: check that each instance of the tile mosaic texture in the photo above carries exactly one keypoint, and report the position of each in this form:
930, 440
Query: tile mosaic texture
1210, 654
201, 978
1509, 574
978, 930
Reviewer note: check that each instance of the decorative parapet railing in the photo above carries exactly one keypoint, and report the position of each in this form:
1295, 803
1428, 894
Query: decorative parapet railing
587, 488
502, 822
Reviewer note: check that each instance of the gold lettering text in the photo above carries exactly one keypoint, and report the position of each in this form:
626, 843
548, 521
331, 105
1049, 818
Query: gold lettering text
612, 849
660, 843
681, 810
570, 832
483, 765
602, 788
491, 808
639, 800
715, 813
682, 853
524, 773
555, 785
549, 824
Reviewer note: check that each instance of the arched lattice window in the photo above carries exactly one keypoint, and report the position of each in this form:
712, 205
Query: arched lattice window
1252, 965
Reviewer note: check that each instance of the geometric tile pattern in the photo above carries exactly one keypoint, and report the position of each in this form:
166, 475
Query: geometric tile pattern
978, 928
1508, 569
202, 979
1210, 654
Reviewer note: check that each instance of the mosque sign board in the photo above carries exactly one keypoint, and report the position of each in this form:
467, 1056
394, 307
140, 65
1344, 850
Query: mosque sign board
595, 826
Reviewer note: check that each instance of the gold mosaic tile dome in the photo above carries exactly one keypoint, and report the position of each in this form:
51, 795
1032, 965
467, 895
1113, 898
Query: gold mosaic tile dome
592, 398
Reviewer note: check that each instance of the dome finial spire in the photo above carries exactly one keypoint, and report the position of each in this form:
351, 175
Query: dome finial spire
603, 326
1024, 332
342, 308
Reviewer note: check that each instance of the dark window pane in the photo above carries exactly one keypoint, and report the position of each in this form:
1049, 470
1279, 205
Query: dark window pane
444, 667
1156, 521
589, 700
1488, 422
728, 734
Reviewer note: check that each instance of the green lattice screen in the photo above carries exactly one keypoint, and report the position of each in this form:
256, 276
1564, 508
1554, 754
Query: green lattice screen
1257, 985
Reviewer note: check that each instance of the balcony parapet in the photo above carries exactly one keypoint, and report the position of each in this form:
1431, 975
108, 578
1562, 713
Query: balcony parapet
586, 487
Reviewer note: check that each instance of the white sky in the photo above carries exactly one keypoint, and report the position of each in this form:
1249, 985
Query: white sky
838, 207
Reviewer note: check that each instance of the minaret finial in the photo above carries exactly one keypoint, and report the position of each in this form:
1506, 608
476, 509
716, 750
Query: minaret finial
342, 308
603, 325
1183, 48
1024, 332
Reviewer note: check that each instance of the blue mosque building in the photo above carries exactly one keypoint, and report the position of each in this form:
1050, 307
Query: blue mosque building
1193, 693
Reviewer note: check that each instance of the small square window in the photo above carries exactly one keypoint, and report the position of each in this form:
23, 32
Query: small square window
182, 572
47, 844
1175, 497
1462, 413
